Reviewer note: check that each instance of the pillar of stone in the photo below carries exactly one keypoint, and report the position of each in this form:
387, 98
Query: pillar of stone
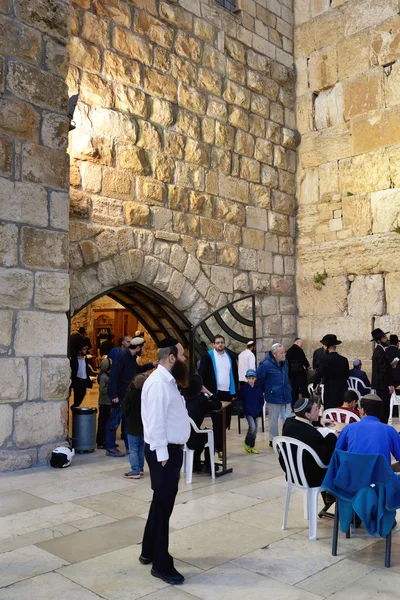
34, 204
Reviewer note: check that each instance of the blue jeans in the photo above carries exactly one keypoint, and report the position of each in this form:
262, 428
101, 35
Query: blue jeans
136, 453
252, 431
112, 426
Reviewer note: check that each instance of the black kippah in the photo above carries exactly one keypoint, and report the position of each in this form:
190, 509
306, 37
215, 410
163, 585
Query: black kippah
168, 342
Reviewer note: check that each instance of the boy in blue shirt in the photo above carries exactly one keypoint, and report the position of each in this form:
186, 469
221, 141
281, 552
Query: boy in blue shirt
252, 398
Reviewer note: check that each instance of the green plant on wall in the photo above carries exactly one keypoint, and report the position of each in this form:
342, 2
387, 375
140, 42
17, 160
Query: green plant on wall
319, 279
396, 229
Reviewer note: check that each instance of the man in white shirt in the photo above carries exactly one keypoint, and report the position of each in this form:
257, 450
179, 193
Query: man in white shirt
166, 429
219, 371
246, 361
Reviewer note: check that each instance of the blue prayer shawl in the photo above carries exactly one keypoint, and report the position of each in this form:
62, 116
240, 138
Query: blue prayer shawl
232, 387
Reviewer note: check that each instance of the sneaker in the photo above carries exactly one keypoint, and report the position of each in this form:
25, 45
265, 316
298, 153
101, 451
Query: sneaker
114, 452
131, 475
254, 451
247, 448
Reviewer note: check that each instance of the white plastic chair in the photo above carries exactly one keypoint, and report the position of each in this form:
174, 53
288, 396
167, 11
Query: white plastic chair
353, 383
310, 389
188, 454
394, 401
330, 413
297, 479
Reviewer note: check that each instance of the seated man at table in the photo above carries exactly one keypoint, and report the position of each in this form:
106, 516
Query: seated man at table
370, 436
199, 402
300, 427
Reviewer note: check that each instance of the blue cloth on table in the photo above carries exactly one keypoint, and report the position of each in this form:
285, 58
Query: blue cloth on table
349, 478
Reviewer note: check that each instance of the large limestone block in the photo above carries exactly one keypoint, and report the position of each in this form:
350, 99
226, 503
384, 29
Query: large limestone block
392, 286
222, 278
39, 422
353, 55
385, 206
44, 249
329, 107
357, 215
363, 93
385, 42
322, 69
52, 291
45, 165
23, 203
392, 84
366, 13
328, 180
366, 296
56, 376
8, 244
6, 418
364, 255
320, 147
376, 129
11, 460
307, 187
13, 380
365, 173
330, 300
6, 319
35, 334
16, 288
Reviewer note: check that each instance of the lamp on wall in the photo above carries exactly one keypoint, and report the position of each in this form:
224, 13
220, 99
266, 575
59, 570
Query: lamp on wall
72, 102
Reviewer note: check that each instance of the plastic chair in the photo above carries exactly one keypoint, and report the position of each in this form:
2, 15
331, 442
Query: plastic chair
188, 454
353, 383
310, 389
339, 412
297, 479
394, 401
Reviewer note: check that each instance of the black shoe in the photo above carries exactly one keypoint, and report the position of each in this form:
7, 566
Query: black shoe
270, 444
174, 579
144, 560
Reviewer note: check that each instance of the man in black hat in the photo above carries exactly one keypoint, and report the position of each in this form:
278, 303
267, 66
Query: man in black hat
334, 370
382, 372
166, 429
77, 340
298, 367
393, 353
123, 371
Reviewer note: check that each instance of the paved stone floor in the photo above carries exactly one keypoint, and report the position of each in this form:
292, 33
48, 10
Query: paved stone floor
75, 534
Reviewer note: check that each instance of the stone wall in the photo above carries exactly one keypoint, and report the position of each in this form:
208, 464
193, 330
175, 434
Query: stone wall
183, 159
347, 56
33, 222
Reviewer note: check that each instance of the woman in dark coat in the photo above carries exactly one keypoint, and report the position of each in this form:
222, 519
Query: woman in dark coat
333, 372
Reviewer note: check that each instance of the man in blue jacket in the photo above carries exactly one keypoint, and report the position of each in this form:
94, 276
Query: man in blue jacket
273, 376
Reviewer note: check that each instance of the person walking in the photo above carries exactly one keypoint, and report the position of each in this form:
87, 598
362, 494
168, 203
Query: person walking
166, 429
104, 402
298, 367
124, 370
246, 361
131, 410
382, 372
252, 398
273, 375
334, 371
80, 380
219, 372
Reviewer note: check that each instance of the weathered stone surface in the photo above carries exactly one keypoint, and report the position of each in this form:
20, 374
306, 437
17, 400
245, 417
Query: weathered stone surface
317, 148
45, 165
19, 119
187, 46
14, 379
29, 83
16, 288
116, 11
189, 175
52, 291
6, 421
41, 339
375, 130
385, 210
39, 422
49, 16
366, 296
6, 320
160, 85
11, 460
8, 244
357, 214
153, 29
44, 249
191, 99
6, 156
56, 374
360, 174
132, 45
392, 281
187, 224
132, 101
227, 255
150, 191
55, 131
224, 135
161, 112
233, 188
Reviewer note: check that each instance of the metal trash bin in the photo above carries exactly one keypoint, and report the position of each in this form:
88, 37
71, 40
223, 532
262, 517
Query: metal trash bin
83, 429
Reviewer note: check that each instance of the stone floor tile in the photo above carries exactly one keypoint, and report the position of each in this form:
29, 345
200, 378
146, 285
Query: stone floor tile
91, 522
119, 575
26, 562
229, 582
374, 556
114, 505
47, 587
214, 542
18, 501
334, 578
263, 489
78, 487
97, 541
269, 515
41, 518
290, 560
381, 584
171, 593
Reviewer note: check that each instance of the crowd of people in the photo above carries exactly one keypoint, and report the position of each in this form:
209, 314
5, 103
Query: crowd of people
155, 411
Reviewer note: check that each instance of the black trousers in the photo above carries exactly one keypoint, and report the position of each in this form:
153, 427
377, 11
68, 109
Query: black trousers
79, 387
217, 420
104, 415
298, 384
384, 395
164, 483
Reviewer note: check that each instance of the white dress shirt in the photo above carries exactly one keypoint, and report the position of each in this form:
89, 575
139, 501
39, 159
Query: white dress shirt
164, 415
247, 361
81, 373
223, 365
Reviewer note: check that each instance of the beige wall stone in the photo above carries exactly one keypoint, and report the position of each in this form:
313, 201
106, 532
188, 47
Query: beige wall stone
14, 380
36, 423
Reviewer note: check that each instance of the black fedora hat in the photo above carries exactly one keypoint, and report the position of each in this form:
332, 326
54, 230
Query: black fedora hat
194, 387
377, 334
329, 340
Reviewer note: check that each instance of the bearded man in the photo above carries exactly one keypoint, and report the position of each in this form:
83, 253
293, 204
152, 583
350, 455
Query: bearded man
166, 429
